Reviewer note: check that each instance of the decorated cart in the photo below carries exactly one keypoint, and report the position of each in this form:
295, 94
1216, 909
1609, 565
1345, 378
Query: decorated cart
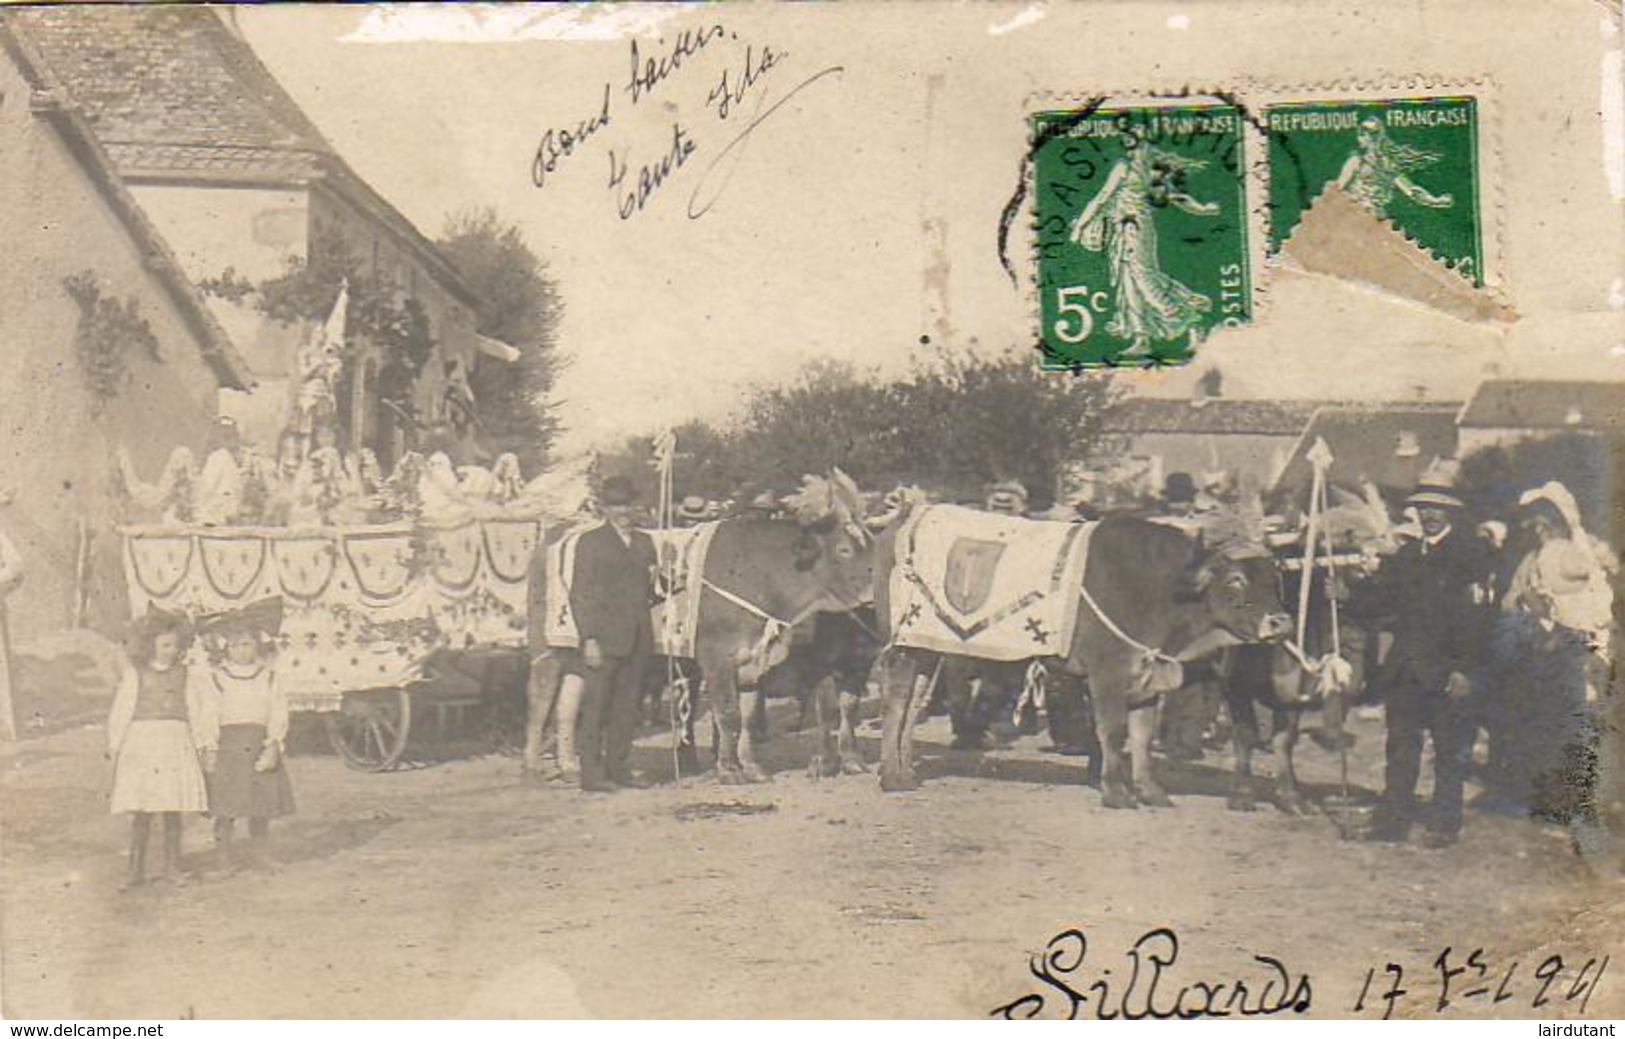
375, 617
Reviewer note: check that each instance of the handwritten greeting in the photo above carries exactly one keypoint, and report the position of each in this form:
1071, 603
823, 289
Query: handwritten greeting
1143, 983
640, 171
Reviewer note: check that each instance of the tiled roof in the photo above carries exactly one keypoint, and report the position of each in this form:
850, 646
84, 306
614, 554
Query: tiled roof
171, 91
1255, 417
168, 74
1388, 444
229, 368
1537, 404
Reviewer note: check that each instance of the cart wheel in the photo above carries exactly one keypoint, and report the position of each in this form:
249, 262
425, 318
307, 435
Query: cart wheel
370, 731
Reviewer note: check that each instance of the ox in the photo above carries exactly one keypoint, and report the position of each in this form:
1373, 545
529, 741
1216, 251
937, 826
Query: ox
763, 578
1286, 680
825, 671
1152, 596
827, 674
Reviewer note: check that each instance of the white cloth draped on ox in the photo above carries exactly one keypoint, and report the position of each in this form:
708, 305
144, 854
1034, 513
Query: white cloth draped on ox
979, 584
682, 552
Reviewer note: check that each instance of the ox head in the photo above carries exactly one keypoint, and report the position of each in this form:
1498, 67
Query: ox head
835, 546
1236, 578
1241, 589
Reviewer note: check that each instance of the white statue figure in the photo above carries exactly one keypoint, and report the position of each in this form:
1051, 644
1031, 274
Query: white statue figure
172, 495
440, 500
319, 363
509, 480
220, 483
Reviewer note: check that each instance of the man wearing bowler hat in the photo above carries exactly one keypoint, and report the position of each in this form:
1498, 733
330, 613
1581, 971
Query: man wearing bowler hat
1434, 589
610, 597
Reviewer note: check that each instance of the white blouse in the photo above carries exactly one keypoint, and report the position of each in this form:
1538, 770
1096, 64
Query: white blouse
232, 695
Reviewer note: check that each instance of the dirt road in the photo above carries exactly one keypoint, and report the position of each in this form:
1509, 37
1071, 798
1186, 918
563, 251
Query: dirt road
451, 890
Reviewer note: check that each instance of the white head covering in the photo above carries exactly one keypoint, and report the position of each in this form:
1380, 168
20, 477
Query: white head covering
1561, 499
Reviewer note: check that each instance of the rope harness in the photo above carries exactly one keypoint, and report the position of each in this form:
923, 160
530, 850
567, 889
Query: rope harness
1157, 671
775, 628
1332, 672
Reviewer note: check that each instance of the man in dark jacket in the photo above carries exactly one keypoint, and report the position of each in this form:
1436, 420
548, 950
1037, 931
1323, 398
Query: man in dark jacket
610, 597
1434, 589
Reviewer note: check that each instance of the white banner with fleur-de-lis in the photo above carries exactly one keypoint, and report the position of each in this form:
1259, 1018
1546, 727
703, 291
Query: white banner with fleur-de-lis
362, 606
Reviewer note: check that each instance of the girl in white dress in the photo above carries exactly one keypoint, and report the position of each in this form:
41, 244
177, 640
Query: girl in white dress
151, 738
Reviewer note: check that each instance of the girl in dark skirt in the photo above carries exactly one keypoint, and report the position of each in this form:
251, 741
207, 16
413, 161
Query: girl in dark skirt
246, 724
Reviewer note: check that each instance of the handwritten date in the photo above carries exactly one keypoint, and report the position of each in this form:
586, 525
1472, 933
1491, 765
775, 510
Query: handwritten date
1455, 980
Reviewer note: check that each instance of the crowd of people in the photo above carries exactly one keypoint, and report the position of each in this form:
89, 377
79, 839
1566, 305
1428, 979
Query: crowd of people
1487, 632
1498, 625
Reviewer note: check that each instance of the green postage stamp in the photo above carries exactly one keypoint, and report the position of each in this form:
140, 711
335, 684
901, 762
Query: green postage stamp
1155, 218
1413, 161
1141, 223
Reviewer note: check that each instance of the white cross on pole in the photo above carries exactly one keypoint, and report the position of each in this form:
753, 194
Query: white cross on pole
1320, 460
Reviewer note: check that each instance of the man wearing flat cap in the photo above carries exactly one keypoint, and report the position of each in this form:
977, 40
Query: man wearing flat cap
1433, 588
610, 596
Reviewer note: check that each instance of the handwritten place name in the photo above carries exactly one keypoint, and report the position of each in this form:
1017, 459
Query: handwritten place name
648, 73
1083, 992
561, 143
1470, 979
632, 198
725, 95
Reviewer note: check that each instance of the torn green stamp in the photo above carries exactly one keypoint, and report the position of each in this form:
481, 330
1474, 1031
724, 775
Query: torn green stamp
1141, 231
1412, 161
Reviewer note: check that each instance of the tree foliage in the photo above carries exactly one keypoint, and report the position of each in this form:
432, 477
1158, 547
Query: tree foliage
521, 307
1493, 478
949, 425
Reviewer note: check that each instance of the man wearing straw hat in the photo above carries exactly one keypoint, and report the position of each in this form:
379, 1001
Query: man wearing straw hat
1432, 587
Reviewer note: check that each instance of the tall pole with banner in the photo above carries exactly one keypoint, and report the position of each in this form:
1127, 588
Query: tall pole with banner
664, 462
